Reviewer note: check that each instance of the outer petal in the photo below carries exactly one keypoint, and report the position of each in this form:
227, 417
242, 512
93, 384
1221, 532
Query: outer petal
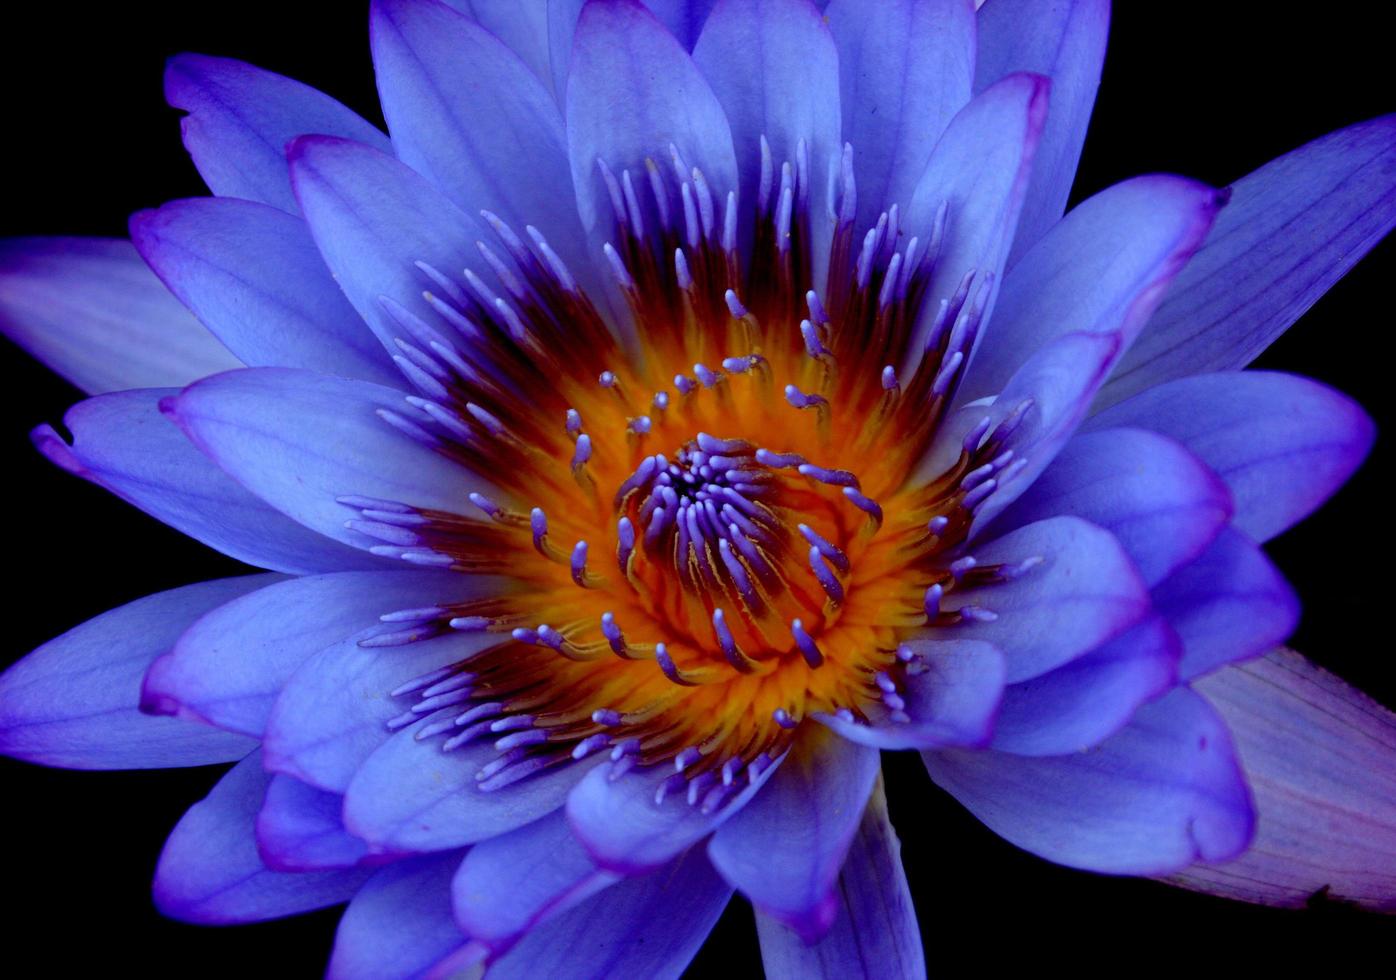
72, 702
1065, 42
374, 219
509, 883
874, 932
334, 711
785, 848
1282, 444
905, 68
1085, 592
241, 118
1160, 502
91, 310
299, 829
633, 91
1293, 229
300, 440
210, 873
1231, 604
121, 442
1101, 269
1319, 756
645, 927
228, 667
252, 274
467, 113
979, 172
411, 796
625, 830
951, 701
1089, 699
1164, 792
399, 923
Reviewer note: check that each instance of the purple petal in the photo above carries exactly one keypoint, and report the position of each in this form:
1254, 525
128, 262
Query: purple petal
72, 702
625, 830
1231, 604
1085, 592
300, 440
509, 883
333, 712
122, 442
1319, 757
1086, 701
410, 796
228, 667
685, 19
467, 113
241, 118
373, 219
979, 172
632, 92
951, 701
210, 872
91, 310
1282, 444
1166, 791
644, 927
252, 274
784, 849
1160, 502
298, 829
399, 923
905, 69
1293, 228
1065, 42
521, 26
1102, 269
875, 933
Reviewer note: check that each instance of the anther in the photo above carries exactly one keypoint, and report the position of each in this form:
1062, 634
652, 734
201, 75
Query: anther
579, 565
835, 554
783, 719
828, 581
808, 648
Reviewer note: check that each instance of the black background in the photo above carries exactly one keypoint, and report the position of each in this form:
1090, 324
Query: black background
1204, 89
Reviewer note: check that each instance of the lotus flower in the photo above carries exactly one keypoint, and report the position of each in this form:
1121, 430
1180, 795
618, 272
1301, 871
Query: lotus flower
687, 404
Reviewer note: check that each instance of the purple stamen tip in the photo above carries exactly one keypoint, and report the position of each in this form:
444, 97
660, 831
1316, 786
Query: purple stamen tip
783, 719
937, 524
579, 563
606, 716
734, 305
931, 601
607, 379
470, 624
574, 421
808, 648
705, 375
582, 454
866, 504
889, 378
487, 505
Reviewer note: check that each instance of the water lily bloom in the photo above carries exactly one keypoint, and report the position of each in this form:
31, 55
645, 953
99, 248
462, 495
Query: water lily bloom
687, 403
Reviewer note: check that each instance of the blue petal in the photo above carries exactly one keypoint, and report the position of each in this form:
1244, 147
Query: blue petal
785, 848
333, 712
121, 442
1231, 604
625, 830
240, 119
905, 69
951, 701
1086, 701
508, 884
685, 19
523, 27
73, 701
645, 927
1157, 498
1293, 228
1065, 42
399, 923
252, 274
1166, 791
1085, 592
229, 666
465, 112
1282, 444
373, 219
210, 873
1319, 756
299, 829
1102, 269
91, 310
410, 796
301, 440
874, 934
